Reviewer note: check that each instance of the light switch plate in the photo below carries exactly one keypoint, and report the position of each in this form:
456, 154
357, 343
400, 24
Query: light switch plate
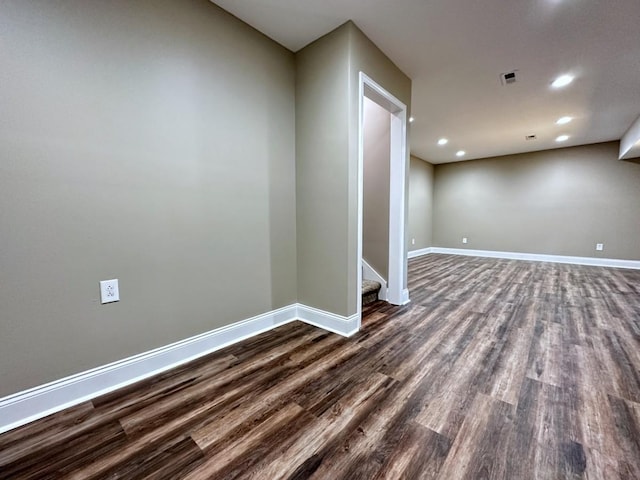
109, 291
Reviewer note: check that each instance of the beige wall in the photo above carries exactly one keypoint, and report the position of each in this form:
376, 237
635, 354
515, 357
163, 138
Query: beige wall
559, 202
366, 57
327, 162
420, 227
321, 171
376, 160
147, 141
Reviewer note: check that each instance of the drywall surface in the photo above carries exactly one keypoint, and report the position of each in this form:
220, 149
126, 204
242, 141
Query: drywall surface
327, 137
151, 142
321, 171
366, 57
376, 160
557, 202
420, 226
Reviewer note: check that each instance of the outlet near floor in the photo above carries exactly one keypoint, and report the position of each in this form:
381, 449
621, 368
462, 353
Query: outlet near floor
599, 247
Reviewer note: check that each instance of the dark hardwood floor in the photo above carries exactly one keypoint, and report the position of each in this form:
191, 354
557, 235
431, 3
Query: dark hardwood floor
496, 370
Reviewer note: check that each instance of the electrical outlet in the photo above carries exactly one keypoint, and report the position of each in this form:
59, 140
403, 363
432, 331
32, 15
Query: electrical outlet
464, 239
599, 246
109, 291
413, 241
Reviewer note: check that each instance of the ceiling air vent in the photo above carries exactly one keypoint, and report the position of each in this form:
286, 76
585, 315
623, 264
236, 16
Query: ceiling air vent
508, 78
530, 137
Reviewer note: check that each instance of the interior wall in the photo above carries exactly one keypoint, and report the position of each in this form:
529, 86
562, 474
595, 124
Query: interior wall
420, 226
327, 118
365, 56
321, 171
376, 160
558, 202
151, 142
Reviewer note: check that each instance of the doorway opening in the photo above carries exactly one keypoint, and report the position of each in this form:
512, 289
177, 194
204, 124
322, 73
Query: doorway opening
391, 212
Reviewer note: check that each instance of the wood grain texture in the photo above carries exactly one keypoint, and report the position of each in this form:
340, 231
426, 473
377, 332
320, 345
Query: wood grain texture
497, 369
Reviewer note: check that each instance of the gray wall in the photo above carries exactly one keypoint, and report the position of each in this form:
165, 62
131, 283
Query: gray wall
559, 202
365, 56
327, 162
376, 160
322, 102
420, 225
147, 141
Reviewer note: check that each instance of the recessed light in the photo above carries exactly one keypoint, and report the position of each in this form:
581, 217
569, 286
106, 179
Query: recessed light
411, 119
562, 81
443, 141
562, 138
460, 153
563, 120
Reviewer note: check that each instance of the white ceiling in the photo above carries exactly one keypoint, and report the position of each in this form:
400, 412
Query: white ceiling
455, 50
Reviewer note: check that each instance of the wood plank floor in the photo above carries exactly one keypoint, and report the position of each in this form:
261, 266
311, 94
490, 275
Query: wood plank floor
497, 369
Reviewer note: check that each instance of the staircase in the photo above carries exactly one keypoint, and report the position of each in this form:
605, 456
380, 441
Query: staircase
370, 291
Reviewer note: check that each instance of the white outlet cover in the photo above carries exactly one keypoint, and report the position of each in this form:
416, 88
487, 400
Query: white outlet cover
464, 240
599, 246
413, 241
109, 291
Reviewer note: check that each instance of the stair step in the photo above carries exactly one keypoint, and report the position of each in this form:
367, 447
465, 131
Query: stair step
370, 291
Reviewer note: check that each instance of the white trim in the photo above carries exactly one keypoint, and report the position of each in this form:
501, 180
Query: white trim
397, 178
29, 405
405, 296
630, 142
369, 273
535, 257
360, 195
345, 326
420, 252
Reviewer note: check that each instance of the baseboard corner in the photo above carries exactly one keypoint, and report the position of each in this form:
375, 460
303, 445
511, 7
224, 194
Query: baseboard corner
345, 326
420, 252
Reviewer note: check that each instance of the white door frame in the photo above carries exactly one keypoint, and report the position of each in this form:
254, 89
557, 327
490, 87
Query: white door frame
396, 293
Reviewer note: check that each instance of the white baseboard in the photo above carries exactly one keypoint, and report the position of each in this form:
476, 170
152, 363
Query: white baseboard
405, 296
369, 273
589, 261
345, 326
419, 252
38, 402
